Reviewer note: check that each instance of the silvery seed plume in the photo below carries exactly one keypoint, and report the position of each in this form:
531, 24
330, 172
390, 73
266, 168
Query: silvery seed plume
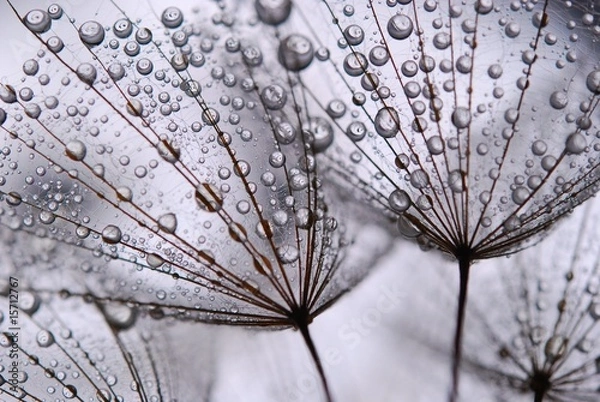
472, 152
159, 141
474, 124
51, 351
544, 343
532, 319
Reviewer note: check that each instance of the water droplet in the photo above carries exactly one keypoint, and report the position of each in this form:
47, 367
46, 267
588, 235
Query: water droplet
354, 35
44, 338
168, 223
379, 56
456, 181
559, 100
122, 28
322, 134
296, 52
419, 179
356, 131
31, 67
274, 97
576, 143
512, 30
69, 391
593, 82
111, 234
29, 302
172, 17
484, 6
387, 122
285, 132
287, 254
86, 73
208, 197
355, 64
37, 21
400, 26
399, 200
76, 150
435, 145
91, 33
55, 11
273, 12
461, 117
520, 195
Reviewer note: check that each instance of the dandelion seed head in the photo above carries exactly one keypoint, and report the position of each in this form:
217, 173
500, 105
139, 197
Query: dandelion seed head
478, 95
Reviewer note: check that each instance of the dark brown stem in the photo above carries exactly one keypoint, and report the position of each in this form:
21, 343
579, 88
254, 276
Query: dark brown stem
539, 396
464, 265
315, 356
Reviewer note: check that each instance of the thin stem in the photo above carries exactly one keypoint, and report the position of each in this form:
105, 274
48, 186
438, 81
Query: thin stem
464, 265
315, 356
539, 395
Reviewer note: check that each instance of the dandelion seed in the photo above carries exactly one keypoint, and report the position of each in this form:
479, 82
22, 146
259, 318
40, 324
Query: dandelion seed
543, 343
174, 155
465, 99
57, 353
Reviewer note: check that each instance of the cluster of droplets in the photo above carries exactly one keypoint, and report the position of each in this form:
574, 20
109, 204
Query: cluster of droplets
463, 132
179, 155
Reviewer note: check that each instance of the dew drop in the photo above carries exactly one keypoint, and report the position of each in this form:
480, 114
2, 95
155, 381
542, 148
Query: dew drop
322, 134
31, 67
44, 338
172, 17
91, 33
400, 26
75, 150
86, 73
122, 28
111, 234
274, 97
559, 100
29, 302
296, 52
208, 197
378, 56
355, 64
399, 200
419, 179
456, 181
576, 143
356, 131
387, 122
273, 12
354, 34
168, 223
287, 254
593, 82
435, 145
38, 21
461, 117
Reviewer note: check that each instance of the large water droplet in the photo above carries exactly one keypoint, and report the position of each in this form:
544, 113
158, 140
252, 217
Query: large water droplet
168, 223
399, 200
172, 17
400, 26
387, 122
111, 234
75, 150
91, 33
37, 21
296, 52
273, 12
